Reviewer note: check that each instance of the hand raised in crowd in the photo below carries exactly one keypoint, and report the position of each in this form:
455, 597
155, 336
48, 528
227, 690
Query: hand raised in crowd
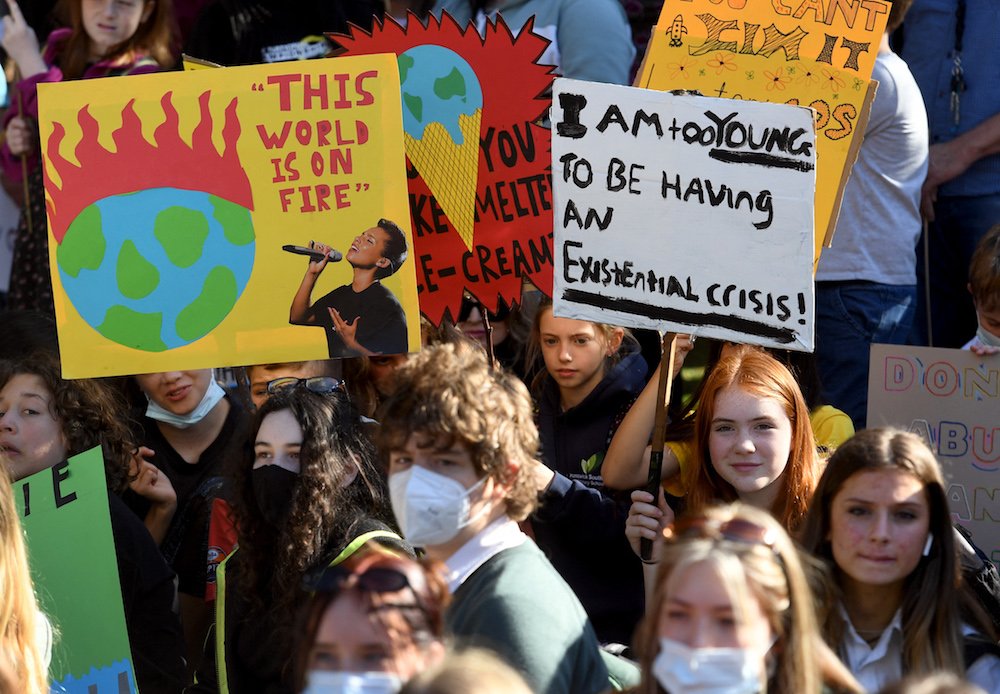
21, 44
150, 483
147, 480
647, 521
685, 343
20, 136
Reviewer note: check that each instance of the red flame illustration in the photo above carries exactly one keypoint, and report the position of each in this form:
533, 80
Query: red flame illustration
138, 165
515, 95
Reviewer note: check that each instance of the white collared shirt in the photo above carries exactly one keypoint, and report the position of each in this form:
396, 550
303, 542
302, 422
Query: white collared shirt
878, 665
985, 671
501, 534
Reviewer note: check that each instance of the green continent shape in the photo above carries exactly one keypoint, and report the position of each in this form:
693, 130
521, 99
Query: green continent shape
137, 277
405, 63
133, 329
217, 298
83, 246
452, 84
235, 220
415, 105
182, 233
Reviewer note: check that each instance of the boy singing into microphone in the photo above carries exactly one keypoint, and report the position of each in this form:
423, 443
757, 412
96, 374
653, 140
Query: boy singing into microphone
362, 318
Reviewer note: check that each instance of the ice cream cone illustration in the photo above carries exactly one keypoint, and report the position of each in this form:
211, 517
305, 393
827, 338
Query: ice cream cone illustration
442, 114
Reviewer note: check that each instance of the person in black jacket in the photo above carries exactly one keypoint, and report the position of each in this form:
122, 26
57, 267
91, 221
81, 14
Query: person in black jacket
308, 496
592, 375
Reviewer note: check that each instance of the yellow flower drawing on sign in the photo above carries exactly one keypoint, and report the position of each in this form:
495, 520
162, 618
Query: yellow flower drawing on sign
681, 68
722, 62
833, 79
808, 77
776, 80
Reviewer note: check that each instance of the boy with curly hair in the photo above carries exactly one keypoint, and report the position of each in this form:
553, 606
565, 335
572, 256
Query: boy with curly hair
461, 446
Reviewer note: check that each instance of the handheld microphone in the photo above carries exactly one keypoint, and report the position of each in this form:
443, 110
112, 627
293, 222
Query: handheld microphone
314, 255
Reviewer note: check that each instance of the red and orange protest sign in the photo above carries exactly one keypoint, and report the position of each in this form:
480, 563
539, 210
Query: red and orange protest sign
479, 184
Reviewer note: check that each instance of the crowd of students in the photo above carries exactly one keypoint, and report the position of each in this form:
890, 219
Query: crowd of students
451, 545
444, 522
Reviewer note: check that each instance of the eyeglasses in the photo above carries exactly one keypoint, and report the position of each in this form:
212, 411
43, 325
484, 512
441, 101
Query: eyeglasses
323, 385
734, 530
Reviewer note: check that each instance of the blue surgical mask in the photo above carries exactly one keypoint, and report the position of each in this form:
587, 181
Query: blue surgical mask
986, 337
213, 394
683, 670
328, 682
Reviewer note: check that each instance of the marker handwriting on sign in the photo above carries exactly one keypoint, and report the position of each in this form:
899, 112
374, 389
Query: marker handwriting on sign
60, 473
728, 138
317, 147
315, 91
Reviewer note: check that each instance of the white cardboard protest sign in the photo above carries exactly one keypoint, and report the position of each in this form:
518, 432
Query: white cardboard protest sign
684, 213
951, 398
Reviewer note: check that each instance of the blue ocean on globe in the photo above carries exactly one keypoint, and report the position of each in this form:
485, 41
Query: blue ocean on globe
437, 86
159, 268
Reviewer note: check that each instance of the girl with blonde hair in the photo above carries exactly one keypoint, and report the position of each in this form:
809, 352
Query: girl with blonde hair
732, 611
21, 624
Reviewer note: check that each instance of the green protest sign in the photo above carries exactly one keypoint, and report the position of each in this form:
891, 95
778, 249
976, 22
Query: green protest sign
67, 526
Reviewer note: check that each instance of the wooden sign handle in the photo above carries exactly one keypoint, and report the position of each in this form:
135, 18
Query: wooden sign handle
659, 428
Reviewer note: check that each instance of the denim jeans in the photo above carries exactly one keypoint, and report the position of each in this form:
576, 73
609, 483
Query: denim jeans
850, 317
960, 222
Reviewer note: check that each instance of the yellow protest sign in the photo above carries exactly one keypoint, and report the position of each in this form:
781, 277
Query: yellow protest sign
174, 199
816, 53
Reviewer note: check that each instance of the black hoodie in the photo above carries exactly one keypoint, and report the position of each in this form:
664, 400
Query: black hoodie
580, 523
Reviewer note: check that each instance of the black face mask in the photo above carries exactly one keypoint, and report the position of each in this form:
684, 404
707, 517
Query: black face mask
273, 488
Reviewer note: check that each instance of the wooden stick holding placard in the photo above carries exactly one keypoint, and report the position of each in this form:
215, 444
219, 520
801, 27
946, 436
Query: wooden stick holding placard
488, 330
659, 429
24, 171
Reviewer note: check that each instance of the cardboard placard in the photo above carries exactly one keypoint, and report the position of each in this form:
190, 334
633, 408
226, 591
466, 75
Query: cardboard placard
803, 52
684, 213
951, 398
67, 527
170, 197
479, 180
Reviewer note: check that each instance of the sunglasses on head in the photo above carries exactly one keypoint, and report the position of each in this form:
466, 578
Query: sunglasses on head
378, 577
469, 303
733, 530
323, 385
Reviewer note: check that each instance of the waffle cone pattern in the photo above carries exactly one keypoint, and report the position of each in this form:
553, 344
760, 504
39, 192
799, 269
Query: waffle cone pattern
451, 171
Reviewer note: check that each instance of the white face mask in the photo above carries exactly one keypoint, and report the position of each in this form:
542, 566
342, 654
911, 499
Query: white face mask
328, 682
213, 394
986, 337
683, 670
430, 508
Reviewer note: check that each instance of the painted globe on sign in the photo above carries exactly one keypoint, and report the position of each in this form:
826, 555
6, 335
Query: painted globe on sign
157, 269
437, 85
